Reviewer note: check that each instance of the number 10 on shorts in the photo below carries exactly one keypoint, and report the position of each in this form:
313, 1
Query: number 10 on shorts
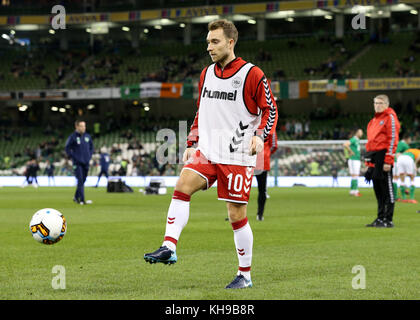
238, 182
237, 185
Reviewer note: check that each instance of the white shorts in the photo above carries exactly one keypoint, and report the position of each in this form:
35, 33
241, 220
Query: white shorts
405, 165
354, 167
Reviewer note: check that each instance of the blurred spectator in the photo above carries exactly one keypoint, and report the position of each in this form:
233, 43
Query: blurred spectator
97, 129
306, 128
279, 74
263, 55
314, 167
290, 127
123, 168
310, 71
298, 129
384, 66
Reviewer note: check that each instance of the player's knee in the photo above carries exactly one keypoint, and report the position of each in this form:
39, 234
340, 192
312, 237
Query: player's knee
235, 217
236, 211
184, 187
189, 182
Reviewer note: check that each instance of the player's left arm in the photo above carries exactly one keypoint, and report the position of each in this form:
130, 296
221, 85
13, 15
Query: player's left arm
192, 139
347, 145
267, 104
273, 142
417, 160
392, 131
258, 89
69, 146
91, 149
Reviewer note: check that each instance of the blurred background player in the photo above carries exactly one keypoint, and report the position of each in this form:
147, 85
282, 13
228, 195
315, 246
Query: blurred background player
403, 145
334, 172
270, 147
353, 148
79, 148
236, 112
407, 166
31, 172
382, 135
49, 171
104, 162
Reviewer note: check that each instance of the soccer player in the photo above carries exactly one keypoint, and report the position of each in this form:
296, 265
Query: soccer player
49, 170
334, 172
382, 134
407, 166
353, 147
270, 146
79, 148
104, 162
236, 113
403, 145
32, 168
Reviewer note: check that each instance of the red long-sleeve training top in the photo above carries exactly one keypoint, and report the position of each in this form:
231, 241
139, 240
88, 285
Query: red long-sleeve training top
383, 133
257, 97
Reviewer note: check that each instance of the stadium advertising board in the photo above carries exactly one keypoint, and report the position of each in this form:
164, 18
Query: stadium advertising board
198, 11
374, 84
97, 93
384, 84
282, 89
170, 181
5, 96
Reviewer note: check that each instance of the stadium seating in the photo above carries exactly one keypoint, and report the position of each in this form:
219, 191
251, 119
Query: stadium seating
143, 143
395, 48
111, 67
123, 65
23, 69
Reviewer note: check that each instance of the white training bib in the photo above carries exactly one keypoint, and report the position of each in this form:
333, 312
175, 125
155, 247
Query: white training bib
225, 126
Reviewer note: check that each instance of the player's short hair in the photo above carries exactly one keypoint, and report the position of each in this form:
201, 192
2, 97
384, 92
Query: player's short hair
228, 27
77, 122
405, 136
383, 97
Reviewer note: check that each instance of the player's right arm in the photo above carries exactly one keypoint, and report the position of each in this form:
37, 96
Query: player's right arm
192, 139
417, 156
91, 147
69, 147
347, 146
273, 142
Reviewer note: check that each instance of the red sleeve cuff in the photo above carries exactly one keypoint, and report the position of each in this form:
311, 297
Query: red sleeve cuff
389, 159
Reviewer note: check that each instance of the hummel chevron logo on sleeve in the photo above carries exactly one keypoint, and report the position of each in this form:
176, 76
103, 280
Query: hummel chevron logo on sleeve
272, 115
242, 126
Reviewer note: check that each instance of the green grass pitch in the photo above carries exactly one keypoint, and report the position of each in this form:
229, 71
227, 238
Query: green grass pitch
305, 248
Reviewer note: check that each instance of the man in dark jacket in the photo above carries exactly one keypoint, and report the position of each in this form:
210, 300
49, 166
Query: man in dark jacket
382, 134
79, 148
